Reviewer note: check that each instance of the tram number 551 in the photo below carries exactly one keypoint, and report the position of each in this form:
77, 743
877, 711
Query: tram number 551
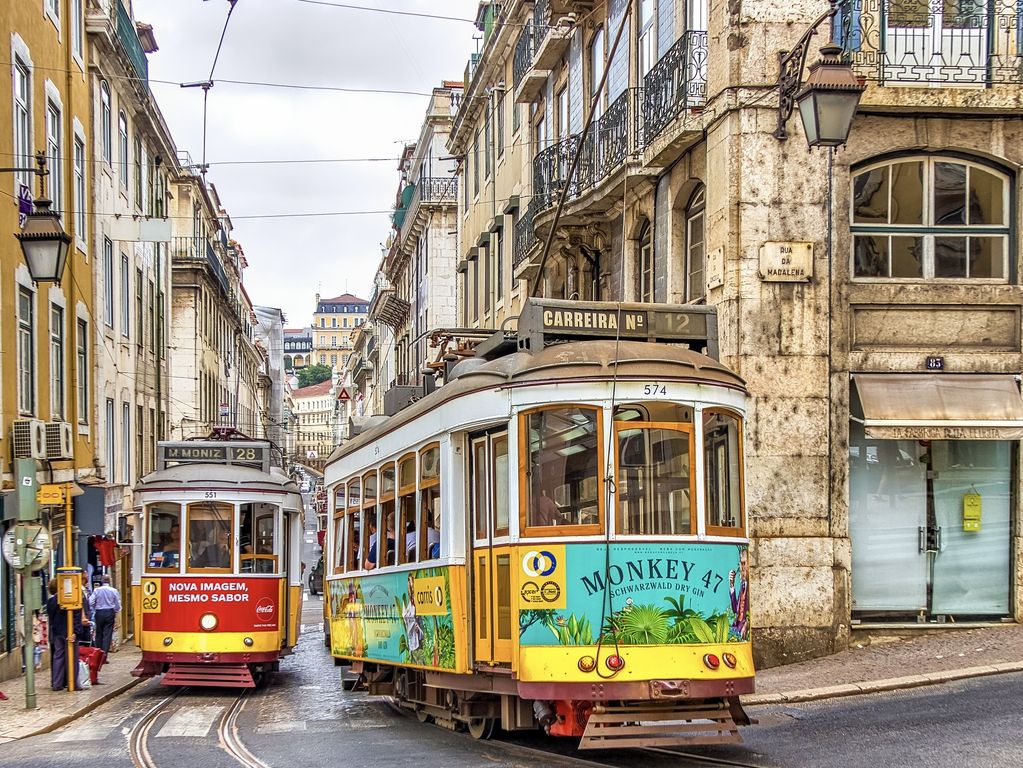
655, 390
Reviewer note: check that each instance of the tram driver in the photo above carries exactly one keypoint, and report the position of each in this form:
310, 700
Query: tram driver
218, 554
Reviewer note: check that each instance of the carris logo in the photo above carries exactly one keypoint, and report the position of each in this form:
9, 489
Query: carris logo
539, 563
265, 609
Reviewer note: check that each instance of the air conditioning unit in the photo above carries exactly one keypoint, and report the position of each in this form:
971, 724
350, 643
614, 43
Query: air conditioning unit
29, 439
60, 442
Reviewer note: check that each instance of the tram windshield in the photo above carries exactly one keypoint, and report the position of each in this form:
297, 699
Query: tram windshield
210, 536
163, 548
562, 466
655, 479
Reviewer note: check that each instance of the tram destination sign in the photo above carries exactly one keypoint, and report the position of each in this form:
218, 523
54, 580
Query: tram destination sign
247, 454
548, 321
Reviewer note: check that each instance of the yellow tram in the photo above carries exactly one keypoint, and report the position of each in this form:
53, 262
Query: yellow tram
555, 538
216, 577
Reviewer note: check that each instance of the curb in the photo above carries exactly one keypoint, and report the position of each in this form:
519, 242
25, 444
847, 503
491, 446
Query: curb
878, 686
84, 709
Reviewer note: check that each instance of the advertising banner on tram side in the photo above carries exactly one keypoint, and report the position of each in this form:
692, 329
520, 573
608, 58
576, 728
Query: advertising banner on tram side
637, 593
405, 617
240, 604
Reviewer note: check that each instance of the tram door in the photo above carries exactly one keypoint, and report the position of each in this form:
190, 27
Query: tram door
491, 553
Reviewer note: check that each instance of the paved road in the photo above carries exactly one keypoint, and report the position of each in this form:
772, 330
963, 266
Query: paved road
304, 718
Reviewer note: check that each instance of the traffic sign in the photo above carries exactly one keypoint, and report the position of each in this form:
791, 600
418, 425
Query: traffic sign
343, 394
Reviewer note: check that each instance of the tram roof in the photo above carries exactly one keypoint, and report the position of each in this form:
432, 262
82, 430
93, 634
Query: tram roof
578, 360
199, 476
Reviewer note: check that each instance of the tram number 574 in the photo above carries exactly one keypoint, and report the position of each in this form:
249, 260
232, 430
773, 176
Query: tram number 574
655, 390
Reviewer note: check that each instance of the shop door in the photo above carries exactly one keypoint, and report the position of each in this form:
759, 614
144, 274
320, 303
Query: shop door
488, 477
971, 505
937, 43
887, 524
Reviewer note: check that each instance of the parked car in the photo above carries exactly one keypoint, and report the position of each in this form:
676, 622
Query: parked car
316, 578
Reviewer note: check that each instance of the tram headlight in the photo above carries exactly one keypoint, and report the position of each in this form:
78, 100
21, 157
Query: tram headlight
208, 622
168, 640
729, 659
710, 661
248, 641
587, 664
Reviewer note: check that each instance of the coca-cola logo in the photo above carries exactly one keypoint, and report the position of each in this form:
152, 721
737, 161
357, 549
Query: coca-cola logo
265, 609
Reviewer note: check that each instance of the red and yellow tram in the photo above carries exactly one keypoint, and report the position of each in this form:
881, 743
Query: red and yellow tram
216, 578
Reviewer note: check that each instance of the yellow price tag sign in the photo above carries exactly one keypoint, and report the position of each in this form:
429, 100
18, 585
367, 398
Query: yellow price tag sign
49, 495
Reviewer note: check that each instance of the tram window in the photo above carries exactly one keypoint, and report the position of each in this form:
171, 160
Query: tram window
164, 550
430, 521
354, 494
655, 480
369, 488
429, 467
210, 536
406, 529
257, 549
353, 554
562, 467
722, 460
501, 499
339, 497
480, 490
387, 481
339, 543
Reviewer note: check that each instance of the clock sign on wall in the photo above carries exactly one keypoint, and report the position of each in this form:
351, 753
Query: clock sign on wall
36, 541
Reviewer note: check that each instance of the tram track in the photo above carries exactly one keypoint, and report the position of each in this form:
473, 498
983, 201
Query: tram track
545, 756
228, 738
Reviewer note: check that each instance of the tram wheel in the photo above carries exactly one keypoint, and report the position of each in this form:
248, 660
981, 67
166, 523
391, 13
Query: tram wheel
481, 728
422, 716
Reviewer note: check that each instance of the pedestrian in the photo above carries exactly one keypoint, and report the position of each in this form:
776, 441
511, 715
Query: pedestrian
58, 624
106, 604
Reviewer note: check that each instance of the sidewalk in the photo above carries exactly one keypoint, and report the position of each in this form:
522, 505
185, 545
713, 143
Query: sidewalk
55, 708
890, 663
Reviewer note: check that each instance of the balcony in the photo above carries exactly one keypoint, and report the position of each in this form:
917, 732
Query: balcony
527, 80
524, 237
975, 44
195, 252
677, 82
611, 139
429, 192
129, 40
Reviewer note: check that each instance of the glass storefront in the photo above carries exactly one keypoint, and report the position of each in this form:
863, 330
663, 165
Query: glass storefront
929, 522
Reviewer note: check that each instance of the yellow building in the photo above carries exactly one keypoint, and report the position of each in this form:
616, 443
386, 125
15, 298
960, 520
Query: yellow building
334, 323
45, 328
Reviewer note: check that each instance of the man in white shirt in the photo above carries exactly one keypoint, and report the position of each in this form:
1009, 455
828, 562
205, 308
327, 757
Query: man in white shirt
105, 602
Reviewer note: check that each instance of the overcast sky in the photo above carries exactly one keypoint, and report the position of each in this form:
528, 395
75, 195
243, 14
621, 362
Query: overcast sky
306, 43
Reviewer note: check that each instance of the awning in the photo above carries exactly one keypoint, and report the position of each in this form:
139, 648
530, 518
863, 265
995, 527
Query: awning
923, 406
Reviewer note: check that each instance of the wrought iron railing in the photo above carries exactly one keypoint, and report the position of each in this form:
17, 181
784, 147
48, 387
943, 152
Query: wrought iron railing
429, 189
678, 81
541, 13
525, 235
129, 39
550, 172
198, 249
522, 60
904, 42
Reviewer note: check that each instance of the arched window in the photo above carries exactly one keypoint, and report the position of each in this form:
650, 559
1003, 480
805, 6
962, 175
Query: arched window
106, 122
930, 218
696, 279
645, 264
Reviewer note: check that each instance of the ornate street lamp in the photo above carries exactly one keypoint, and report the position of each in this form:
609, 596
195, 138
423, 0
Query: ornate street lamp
828, 101
44, 242
830, 96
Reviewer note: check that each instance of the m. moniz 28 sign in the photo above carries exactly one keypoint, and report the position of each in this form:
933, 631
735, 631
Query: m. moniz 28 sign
546, 321
245, 453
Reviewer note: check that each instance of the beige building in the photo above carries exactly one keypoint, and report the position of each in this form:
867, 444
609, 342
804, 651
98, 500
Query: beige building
314, 409
334, 322
213, 357
870, 298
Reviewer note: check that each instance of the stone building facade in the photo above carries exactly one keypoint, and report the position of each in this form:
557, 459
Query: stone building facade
870, 297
